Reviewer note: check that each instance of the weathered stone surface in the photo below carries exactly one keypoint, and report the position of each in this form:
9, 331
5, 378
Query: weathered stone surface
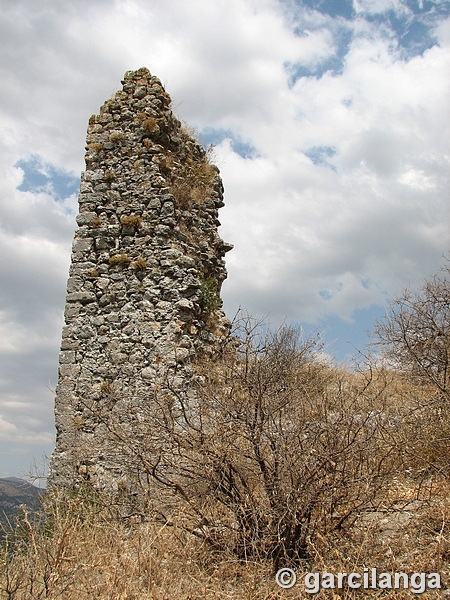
146, 244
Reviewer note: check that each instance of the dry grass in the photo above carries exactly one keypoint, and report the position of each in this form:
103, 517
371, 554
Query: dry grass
190, 171
359, 462
140, 264
117, 136
131, 221
119, 259
95, 147
150, 124
83, 552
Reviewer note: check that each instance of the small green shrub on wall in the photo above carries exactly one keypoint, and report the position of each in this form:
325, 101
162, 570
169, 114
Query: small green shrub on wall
210, 298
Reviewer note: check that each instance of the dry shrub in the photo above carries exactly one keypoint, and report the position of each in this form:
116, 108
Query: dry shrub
414, 339
95, 147
131, 221
117, 136
119, 259
273, 449
191, 172
106, 387
411, 536
140, 264
199, 194
414, 335
181, 191
192, 188
150, 124
425, 434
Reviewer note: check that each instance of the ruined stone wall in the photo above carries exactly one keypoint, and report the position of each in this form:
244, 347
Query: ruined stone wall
143, 295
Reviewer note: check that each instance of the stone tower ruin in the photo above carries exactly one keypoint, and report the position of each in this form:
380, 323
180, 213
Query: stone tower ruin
143, 295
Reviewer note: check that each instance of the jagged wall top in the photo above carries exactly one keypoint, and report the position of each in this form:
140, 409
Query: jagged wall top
143, 296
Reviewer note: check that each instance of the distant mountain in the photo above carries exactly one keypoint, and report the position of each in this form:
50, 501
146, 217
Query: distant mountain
13, 493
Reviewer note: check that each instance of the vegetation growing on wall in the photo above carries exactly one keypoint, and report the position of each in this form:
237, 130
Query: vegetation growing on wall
210, 296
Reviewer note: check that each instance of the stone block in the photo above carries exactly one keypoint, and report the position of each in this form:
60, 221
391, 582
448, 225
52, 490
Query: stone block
82, 297
82, 245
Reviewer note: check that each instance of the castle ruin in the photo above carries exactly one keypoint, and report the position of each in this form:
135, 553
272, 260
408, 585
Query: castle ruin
143, 295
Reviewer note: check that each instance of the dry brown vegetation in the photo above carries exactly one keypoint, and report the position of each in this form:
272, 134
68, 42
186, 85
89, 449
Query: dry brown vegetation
119, 259
131, 221
96, 223
191, 172
140, 264
278, 459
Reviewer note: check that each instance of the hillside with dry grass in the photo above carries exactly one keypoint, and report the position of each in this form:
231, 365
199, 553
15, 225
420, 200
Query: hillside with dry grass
276, 459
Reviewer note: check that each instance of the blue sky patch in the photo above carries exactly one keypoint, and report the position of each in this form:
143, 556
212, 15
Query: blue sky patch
333, 64
413, 27
41, 177
320, 155
326, 294
333, 8
211, 135
426, 6
412, 36
344, 339
410, 27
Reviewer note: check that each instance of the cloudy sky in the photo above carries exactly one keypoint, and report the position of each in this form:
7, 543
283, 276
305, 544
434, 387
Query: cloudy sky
331, 129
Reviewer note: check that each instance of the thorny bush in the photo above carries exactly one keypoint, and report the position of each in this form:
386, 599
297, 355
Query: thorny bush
272, 447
